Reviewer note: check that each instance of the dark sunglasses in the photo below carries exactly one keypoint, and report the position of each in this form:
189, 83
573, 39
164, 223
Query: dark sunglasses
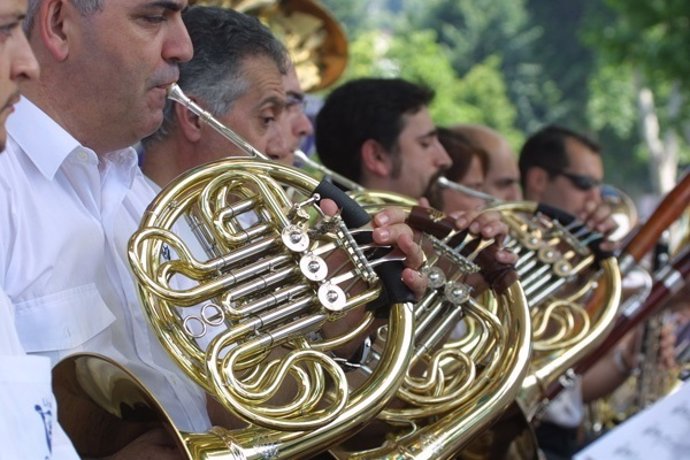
580, 181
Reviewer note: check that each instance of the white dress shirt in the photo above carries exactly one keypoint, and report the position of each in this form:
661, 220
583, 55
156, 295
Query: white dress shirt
28, 412
567, 409
66, 217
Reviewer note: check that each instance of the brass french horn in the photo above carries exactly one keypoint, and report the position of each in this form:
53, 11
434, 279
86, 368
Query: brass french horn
456, 386
248, 289
573, 289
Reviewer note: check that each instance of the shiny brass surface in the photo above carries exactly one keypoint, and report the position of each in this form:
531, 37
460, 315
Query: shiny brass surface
249, 292
315, 40
573, 300
623, 210
243, 315
484, 393
455, 386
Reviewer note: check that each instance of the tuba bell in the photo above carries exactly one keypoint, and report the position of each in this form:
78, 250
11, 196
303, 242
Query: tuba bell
315, 40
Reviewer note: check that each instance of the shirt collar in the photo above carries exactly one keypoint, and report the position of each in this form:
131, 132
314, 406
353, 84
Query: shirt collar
49, 150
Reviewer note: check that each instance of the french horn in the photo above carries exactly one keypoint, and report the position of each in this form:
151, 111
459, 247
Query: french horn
248, 290
456, 386
458, 373
572, 287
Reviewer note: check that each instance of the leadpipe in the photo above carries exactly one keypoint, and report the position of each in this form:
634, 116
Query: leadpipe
337, 178
443, 182
176, 94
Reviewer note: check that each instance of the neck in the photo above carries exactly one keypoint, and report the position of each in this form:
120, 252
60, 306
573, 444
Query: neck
163, 161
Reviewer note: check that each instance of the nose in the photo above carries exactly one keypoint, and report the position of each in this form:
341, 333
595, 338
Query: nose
301, 125
178, 45
24, 64
278, 146
594, 194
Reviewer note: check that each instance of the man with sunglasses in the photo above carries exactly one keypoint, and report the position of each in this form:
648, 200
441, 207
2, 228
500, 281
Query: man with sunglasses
562, 168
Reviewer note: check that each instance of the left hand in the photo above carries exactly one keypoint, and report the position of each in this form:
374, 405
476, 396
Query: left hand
597, 217
390, 229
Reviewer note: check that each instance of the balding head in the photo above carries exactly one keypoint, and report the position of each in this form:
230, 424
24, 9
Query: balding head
503, 176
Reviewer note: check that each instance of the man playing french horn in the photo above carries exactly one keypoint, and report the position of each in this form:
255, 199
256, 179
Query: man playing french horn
73, 195
256, 107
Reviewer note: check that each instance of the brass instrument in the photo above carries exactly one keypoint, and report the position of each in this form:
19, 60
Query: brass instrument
498, 341
559, 268
316, 41
248, 291
464, 383
572, 290
640, 244
456, 385
444, 182
623, 211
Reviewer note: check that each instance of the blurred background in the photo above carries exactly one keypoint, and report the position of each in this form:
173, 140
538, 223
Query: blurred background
614, 69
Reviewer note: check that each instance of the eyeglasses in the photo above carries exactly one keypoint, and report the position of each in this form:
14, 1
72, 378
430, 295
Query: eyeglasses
580, 181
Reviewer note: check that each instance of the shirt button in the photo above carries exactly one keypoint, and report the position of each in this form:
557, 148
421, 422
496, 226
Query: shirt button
83, 156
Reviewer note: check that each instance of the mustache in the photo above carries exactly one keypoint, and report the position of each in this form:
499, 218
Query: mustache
13, 99
165, 77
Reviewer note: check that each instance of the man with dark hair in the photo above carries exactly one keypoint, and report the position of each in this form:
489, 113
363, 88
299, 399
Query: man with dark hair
378, 132
562, 168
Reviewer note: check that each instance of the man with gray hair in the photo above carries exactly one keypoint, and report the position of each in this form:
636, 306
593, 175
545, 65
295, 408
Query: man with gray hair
237, 75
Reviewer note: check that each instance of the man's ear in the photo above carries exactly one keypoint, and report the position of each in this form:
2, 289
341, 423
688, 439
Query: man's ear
536, 181
188, 123
376, 161
53, 23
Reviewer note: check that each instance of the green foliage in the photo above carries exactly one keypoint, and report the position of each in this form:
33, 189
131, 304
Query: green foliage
612, 100
651, 34
524, 63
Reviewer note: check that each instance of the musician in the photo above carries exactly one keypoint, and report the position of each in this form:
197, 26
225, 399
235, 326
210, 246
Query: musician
562, 168
237, 74
502, 176
468, 169
28, 422
71, 192
378, 132
240, 62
